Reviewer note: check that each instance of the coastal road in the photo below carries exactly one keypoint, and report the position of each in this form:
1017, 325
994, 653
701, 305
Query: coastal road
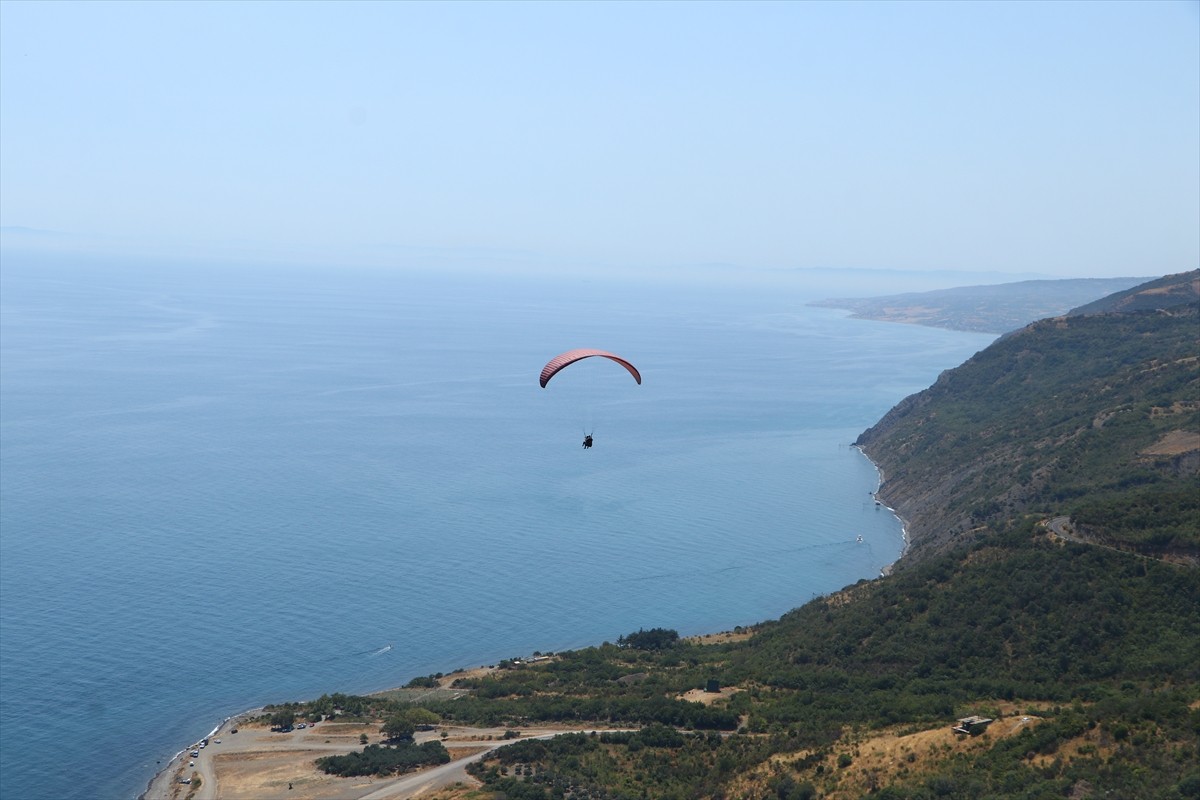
206, 769
1061, 527
165, 785
411, 786
303, 748
430, 779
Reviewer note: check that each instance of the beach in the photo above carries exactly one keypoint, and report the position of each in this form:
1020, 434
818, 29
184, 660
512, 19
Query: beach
257, 763
243, 759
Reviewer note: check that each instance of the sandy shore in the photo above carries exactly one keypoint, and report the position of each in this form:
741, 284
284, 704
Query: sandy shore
887, 569
258, 764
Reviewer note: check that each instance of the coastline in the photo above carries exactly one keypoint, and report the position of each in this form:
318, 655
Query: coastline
887, 569
160, 786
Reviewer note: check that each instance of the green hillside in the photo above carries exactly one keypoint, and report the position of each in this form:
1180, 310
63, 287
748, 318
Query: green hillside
1088, 660
1092, 416
1166, 292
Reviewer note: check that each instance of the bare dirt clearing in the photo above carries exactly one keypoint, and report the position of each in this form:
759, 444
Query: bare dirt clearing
708, 698
259, 764
1174, 443
723, 637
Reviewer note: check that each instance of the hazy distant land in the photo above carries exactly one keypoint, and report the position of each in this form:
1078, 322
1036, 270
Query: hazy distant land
985, 309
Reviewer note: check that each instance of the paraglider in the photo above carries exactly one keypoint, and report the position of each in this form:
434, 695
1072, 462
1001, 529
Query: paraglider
562, 360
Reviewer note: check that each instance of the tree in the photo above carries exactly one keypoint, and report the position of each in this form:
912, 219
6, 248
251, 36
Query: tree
398, 726
653, 639
284, 719
422, 717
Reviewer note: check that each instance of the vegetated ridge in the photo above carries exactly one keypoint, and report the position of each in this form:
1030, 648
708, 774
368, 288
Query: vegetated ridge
1094, 416
986, 309
1085, 658
1164, 293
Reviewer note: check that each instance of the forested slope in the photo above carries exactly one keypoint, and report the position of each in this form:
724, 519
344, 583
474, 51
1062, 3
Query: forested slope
1166, 292
1094, 416
1087, 658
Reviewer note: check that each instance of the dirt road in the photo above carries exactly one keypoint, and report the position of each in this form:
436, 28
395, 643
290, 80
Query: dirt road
411, 786
259, 764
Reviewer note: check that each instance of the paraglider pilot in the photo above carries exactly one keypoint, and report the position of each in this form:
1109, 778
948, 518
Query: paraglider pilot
587, 441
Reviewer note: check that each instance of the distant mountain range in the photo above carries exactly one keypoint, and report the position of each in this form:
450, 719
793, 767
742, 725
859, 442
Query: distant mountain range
985, 309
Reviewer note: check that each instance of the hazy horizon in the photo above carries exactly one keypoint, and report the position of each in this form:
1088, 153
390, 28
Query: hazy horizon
678, 139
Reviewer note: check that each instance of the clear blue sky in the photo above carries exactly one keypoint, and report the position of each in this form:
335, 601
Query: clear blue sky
1059, 138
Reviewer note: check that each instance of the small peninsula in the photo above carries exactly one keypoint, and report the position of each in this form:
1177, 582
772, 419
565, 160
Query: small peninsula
983, 309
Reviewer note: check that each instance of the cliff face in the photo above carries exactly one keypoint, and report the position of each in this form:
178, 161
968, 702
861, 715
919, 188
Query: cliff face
1088, 415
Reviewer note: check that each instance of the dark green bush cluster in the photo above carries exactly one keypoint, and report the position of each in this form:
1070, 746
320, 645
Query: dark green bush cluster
377, 760
653, 639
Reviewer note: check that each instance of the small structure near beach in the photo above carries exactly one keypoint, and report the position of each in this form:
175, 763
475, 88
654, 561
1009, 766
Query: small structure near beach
972, 726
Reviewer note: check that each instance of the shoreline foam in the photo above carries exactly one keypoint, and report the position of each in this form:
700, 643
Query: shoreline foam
887, 568
162, 776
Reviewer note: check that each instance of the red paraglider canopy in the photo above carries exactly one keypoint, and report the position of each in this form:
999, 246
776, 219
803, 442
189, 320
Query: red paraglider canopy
571, 356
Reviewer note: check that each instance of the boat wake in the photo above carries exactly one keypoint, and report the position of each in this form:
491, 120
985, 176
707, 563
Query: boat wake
378, 651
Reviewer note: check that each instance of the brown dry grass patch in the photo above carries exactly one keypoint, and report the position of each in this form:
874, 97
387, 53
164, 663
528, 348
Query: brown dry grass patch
1174, 443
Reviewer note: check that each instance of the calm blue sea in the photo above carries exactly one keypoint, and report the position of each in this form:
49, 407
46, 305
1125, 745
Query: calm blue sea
225, 487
